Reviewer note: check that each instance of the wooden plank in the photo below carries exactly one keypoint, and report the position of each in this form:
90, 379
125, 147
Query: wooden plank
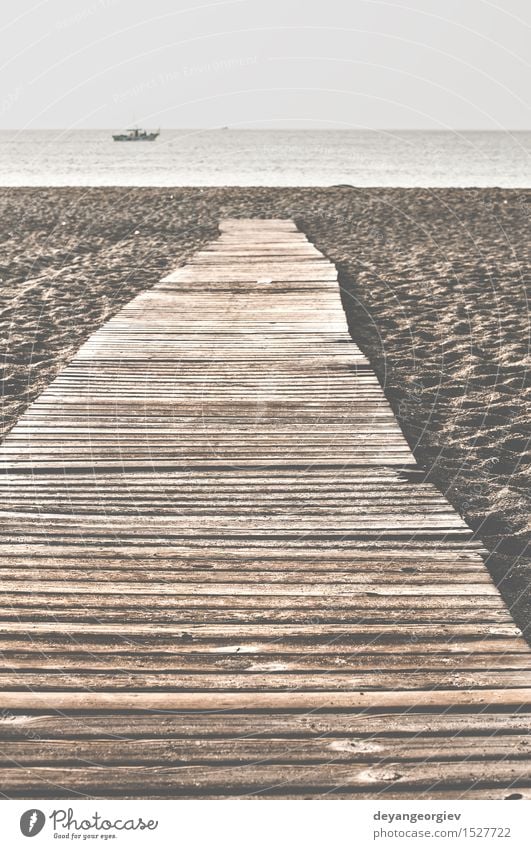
61, 637
270, 681
519, 697
84, 657
210, 634
272, 750
163, 725
167, 780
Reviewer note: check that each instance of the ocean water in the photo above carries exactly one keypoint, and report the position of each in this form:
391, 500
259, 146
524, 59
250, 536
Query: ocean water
266, 158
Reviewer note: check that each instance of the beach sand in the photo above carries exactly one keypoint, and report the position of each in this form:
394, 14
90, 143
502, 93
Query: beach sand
435, 286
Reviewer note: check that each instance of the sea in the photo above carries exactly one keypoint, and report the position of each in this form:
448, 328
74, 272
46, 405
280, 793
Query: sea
251, 157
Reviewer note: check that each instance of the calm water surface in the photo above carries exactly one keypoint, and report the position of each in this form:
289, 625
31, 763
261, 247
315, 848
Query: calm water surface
266, 158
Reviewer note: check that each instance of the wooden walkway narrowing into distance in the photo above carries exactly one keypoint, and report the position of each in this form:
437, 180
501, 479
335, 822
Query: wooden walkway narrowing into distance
222, 573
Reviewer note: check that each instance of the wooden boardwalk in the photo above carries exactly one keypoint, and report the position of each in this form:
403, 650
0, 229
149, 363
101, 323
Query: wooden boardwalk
222, 573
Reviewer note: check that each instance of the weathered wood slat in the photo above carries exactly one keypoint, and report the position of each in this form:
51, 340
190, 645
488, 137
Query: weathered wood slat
234, 588
300, 726
56, 639
207, 634
266, 700
272, 750
166, 780
222, 573
94, 658
273, 681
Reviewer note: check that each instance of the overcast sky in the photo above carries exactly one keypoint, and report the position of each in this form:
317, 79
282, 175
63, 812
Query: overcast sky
457, 64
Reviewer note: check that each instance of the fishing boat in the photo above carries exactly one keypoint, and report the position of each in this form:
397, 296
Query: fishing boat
135, 135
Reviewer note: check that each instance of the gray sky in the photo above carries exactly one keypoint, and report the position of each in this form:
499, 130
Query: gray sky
398, 64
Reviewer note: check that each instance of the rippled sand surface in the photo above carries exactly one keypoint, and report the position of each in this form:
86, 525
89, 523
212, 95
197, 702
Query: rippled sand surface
435, 284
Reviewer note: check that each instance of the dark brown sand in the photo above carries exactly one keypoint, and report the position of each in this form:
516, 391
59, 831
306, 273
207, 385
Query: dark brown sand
435, 287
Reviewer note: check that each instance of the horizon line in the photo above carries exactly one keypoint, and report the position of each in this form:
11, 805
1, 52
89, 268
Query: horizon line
276, 129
